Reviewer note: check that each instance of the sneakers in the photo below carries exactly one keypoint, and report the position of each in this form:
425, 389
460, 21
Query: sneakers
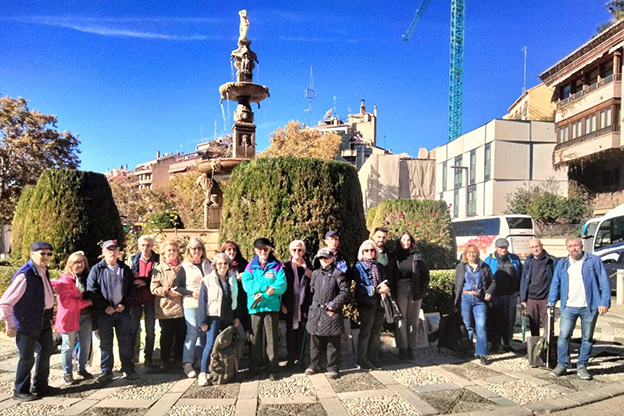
484, 360
85, 375
310, 371
560, 370
69, 380
24, 397
202, 380
583, 373
189, 370
132, 376
105, 376
273, 376
333, 374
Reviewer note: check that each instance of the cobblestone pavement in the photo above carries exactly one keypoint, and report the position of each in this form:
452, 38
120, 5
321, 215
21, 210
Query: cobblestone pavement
434, 383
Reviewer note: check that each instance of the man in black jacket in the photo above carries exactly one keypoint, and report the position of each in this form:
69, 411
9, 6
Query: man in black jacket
332, 241
537, 275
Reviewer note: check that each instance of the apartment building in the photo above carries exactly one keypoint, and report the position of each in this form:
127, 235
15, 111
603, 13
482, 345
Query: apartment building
534, 104
476, 171
587, 86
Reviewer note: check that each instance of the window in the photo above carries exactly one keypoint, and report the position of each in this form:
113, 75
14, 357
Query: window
605, 118
610, 232
516, 223
489, 226
458, 172
456, 203
563, 134
590, 124
444, 176
592, 77
473, 166
488, 161
564, 91
607, 69
472, 200
577, 129
577, 85
611, 178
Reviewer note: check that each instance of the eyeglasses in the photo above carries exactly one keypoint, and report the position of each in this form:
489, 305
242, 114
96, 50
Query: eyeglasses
265, 249
368, 250
196, 248
298, 250
45, 254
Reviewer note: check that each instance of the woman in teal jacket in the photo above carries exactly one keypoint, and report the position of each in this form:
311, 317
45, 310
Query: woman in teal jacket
264, 281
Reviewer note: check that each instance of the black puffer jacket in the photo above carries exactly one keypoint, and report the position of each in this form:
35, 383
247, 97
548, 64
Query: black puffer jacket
330, 287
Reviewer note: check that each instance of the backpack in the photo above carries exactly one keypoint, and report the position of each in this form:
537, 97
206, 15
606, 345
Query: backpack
453, 334
225, 356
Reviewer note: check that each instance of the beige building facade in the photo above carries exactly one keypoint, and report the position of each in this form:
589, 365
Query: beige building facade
476, 171
534, 104
587, 86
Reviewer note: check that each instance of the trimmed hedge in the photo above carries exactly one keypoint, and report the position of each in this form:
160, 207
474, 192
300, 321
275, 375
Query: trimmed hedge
370, 217
439, 298
287, 198
428, 221
20, 218
72, 210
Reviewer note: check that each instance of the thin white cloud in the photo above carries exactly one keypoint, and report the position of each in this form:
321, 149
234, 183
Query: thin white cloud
314, 39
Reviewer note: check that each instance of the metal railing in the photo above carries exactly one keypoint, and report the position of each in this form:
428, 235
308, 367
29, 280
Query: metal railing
588, 89
597, 133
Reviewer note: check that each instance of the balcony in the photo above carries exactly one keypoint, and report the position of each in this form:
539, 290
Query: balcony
588, 144
590, 96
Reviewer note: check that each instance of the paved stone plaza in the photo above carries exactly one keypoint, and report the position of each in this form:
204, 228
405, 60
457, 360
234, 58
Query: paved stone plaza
436, 383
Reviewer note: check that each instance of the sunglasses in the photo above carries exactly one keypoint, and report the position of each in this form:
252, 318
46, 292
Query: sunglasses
45, 254
368, 250
265, 249
298, 250
196, 248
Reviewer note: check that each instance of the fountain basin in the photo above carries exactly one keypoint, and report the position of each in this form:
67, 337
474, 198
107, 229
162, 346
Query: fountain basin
221, 166
234, 91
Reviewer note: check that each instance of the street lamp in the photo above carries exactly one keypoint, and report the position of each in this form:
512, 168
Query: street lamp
465, 168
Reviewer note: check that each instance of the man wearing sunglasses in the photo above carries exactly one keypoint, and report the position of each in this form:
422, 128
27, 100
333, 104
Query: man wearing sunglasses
264, 280
342, 263
26, 308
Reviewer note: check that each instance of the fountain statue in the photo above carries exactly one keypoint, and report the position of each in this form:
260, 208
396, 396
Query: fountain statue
243, 91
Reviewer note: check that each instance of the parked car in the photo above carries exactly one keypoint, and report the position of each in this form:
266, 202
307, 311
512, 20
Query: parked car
613, 261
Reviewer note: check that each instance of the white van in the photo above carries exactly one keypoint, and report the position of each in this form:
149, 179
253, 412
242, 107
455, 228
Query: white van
483, 232
607, 235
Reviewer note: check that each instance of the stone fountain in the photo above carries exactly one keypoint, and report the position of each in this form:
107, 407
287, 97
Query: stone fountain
244, 91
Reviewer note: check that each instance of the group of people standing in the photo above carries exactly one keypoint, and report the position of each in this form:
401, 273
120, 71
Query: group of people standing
487, 291
194, 299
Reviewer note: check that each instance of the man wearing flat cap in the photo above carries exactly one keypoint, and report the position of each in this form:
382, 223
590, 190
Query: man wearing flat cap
111, 283
26, 308
264, 281
332, 242
506, 270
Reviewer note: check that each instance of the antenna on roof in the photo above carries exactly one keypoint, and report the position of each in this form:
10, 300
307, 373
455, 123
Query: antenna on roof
201, 133
524, 49
310, 94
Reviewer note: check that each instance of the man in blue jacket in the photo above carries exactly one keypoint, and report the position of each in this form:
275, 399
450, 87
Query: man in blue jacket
506, 271
581, 284
111, 283
537, 275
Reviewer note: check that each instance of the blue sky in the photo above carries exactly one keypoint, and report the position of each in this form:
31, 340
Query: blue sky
135, 77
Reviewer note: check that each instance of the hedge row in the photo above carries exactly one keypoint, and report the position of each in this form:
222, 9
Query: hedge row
72, 210
289, 198
428, 221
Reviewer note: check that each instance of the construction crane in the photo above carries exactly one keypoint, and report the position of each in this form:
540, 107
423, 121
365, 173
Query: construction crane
456, 70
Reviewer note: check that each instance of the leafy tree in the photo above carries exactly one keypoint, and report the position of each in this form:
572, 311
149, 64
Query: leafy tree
29, 144
302, 142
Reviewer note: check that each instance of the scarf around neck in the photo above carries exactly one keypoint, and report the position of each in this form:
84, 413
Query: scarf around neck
374, 268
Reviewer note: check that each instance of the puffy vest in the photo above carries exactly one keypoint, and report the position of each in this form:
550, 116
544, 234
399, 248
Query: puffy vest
28, 312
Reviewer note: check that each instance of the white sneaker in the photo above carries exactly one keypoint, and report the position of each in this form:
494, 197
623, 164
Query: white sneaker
189, 370
202, 380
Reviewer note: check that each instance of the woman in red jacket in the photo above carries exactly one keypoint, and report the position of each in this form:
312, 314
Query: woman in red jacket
70, 303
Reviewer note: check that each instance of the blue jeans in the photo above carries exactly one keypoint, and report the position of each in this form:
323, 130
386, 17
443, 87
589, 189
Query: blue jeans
215, 326
27, 343
150, 328
569, 315
122, 325
474, 312
83, 335
193, 343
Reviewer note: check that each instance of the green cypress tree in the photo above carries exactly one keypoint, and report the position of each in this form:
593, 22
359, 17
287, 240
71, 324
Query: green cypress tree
288, 198
72, 210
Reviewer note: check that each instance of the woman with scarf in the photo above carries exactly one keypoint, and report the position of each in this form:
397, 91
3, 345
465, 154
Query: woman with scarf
409, 287
237, 266
370, 284
168, 305
296, 300
71, 322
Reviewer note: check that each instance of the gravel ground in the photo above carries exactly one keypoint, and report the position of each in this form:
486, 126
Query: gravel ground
385, 405
509, 361
471, 371
522, 391
29, 409
151, 389
113, 411
201, 411
356, 382
7, 386
223, 391
292, 386
308, 409
416, 376
456, 401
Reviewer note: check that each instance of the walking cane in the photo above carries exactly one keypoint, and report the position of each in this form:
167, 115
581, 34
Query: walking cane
523, 322
550, 312
300, 363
